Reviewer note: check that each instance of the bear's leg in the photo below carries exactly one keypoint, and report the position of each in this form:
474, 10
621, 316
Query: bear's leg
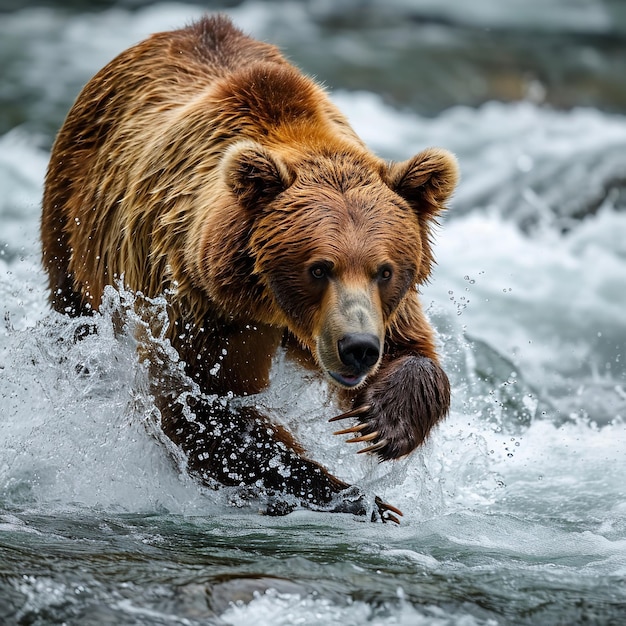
237, 446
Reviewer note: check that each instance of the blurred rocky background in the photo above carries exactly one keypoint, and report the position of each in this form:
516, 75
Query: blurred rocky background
564, 53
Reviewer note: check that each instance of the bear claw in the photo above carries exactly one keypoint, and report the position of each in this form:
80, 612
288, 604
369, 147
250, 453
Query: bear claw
357, 428
363, 437
386, 511
377, 446
352, 413
352, 429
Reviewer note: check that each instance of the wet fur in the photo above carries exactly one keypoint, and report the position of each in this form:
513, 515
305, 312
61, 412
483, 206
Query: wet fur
202, 164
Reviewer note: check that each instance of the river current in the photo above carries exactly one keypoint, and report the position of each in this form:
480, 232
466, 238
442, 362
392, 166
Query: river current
514, 511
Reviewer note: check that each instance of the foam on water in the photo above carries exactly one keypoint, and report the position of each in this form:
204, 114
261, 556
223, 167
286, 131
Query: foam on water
283, 609
78, 423
553, 304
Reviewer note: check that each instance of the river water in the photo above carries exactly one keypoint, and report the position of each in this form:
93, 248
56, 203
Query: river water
515, 510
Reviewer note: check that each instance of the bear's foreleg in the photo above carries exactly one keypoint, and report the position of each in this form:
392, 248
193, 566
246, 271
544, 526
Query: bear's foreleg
237, 446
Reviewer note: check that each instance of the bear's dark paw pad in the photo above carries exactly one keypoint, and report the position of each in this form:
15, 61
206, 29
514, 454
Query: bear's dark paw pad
385, 512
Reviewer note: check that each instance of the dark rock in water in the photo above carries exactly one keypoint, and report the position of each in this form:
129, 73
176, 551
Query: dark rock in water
495, 390
513, 402
600, 403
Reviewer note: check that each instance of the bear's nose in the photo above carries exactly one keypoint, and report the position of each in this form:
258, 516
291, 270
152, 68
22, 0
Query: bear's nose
359, 351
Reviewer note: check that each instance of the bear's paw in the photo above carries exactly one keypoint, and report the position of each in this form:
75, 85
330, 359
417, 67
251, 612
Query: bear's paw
399, 407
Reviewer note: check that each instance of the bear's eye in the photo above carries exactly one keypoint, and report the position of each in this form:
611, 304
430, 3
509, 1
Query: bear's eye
385, 273
319, 271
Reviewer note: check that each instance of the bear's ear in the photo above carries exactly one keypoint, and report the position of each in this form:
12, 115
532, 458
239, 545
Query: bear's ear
426, 180
255, 175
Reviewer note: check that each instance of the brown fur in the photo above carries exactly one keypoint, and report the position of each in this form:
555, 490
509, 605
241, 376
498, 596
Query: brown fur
201, 163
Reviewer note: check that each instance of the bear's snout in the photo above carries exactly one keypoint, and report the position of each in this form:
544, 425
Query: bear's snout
359, 351
350, 344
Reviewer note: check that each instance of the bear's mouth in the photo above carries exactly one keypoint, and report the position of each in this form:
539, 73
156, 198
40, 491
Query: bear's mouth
346, 380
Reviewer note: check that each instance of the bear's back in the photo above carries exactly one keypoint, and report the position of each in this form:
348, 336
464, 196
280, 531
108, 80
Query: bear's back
144, 140
219, 46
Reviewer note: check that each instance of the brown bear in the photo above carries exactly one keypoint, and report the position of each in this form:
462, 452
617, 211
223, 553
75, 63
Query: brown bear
202, 165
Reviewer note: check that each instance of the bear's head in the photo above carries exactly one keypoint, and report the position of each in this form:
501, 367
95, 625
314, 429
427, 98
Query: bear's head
336, 241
